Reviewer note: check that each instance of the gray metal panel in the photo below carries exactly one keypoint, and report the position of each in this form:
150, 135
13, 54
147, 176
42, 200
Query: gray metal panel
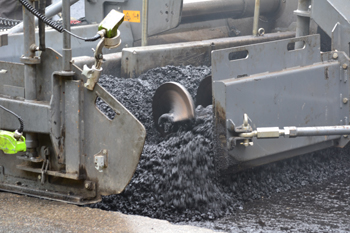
298, 97
163, 15
282, 88
327, 14
343, 7
194, 10
13, 91
137, 60
13, 77
72, 123
265, 57
123, 138
35, 115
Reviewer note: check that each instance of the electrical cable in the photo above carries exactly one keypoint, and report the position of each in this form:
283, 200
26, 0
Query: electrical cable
96, 37
21, 128
52, 24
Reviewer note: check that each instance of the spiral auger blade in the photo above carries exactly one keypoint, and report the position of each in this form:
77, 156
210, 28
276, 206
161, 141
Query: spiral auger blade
173, 103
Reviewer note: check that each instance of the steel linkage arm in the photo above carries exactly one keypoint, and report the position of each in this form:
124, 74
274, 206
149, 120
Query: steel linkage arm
292, 131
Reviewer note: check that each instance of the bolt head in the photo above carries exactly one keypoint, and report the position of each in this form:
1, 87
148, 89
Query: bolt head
345, 66
335, 55
88, 185
104, 151
345, 100
39, 177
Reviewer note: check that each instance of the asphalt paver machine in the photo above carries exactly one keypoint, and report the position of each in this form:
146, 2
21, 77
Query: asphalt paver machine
274, 93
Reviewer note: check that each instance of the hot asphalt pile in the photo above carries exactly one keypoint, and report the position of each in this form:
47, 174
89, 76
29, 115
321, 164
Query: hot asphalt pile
175, 179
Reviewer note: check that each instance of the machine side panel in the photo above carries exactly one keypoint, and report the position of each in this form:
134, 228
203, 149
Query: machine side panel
278, 87
123, 139
264, 57
291, 98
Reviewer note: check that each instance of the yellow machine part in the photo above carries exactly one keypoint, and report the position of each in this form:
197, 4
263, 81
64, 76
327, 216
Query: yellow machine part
9, 144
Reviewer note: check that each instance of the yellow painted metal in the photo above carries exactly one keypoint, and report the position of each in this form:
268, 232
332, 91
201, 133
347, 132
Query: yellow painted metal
9, 144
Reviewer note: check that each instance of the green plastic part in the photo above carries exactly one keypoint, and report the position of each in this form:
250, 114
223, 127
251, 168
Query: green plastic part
9, 144
111, 23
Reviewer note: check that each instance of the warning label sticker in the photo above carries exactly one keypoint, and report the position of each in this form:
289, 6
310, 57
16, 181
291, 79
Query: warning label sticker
132, 16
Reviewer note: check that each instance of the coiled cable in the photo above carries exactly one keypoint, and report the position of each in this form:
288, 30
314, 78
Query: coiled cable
52, 24
21, 127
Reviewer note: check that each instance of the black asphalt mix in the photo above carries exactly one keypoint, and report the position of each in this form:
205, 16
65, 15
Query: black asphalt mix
175, 179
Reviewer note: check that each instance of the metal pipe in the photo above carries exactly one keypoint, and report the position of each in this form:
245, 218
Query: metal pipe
144, 41
29, 71
256, 17
67, 50
202, 10
50, 11
303, 21
323, 130
292, 131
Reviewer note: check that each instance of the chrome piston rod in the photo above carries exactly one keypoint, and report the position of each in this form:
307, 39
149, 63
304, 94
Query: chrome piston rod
201, 10
292, 131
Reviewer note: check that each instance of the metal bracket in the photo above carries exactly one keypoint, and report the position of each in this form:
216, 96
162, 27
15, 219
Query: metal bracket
93, 74
236, 131
30, 60
101, 160
89, 185
44, 152
44, 168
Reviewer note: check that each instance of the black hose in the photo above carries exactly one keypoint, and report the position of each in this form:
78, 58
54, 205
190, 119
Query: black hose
49, 22
96, 37
21, 127
52, 24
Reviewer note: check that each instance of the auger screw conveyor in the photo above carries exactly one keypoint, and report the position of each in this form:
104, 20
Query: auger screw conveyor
267, 67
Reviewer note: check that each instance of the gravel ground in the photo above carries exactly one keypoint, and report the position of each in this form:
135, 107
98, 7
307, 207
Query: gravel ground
175, 179
320, 204
19, 213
